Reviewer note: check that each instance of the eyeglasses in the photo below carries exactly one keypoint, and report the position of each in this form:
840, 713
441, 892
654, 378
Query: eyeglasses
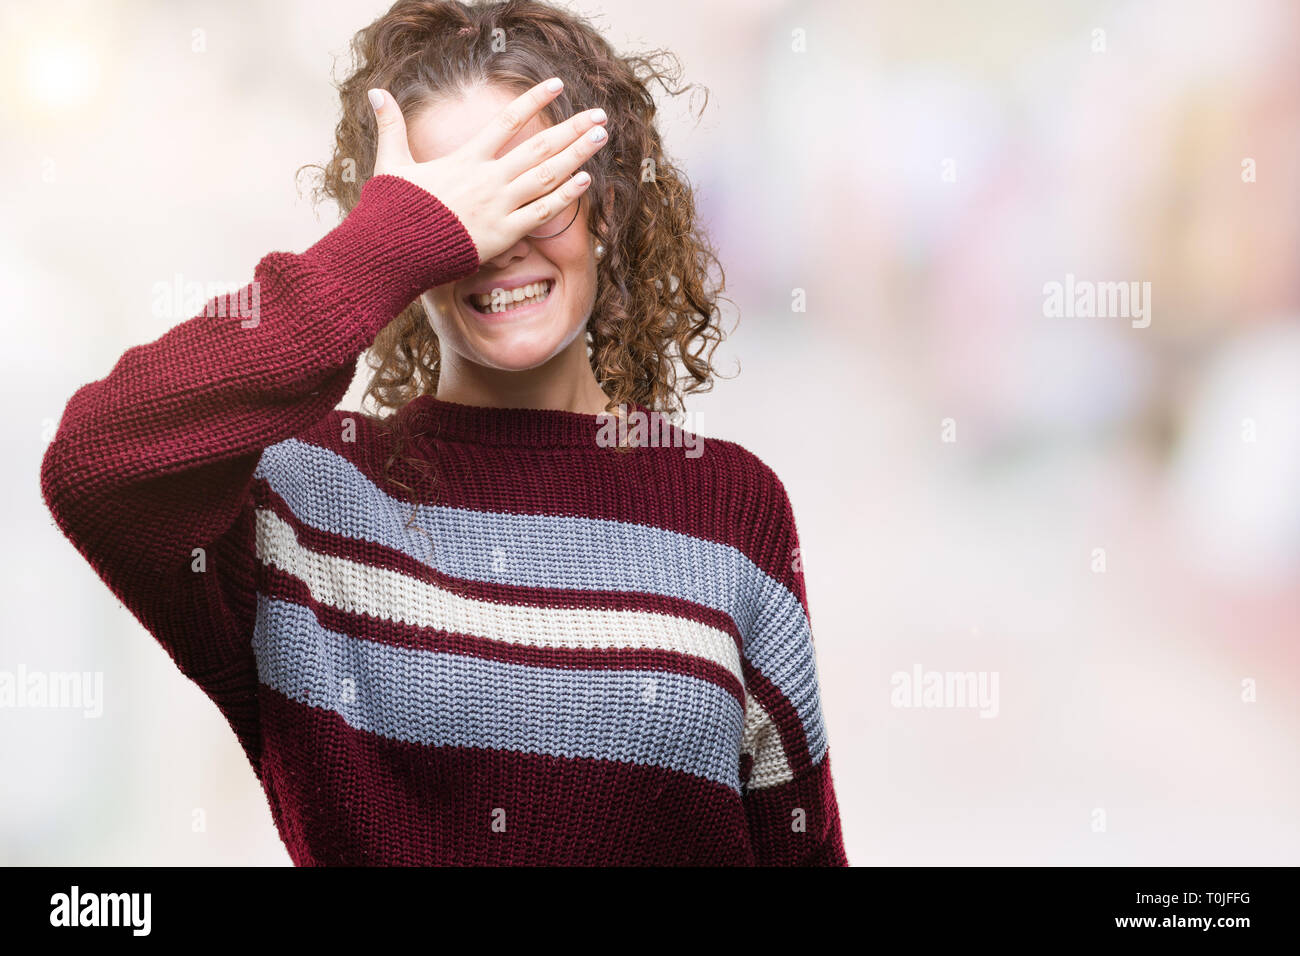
547, 227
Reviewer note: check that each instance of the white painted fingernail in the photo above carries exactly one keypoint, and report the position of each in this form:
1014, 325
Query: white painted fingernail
555, 85
597, 134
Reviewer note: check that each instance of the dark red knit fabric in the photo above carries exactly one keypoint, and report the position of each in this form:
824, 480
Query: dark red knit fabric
566, 654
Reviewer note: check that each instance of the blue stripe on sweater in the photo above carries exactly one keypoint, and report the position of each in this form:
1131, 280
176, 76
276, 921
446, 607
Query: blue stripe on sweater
441, 699
562, 552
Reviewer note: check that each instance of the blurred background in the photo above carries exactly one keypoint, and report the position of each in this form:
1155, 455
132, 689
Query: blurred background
1104, 515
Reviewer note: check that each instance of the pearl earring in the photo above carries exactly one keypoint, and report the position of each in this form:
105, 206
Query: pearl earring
600, 250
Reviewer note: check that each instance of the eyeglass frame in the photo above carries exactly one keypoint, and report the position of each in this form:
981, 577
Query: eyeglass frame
577, 207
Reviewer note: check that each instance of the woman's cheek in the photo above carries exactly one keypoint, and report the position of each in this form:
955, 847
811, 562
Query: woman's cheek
439, 307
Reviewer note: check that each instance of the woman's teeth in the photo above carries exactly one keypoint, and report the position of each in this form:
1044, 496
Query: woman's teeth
505, 300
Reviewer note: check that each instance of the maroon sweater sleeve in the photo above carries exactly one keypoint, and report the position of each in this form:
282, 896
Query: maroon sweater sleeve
151, 469
790, 800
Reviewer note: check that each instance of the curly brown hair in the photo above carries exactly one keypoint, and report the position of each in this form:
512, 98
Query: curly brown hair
656, 305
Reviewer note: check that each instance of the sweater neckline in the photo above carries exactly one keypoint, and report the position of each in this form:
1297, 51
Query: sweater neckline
431, 419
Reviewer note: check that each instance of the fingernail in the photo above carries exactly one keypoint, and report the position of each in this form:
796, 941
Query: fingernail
555, 85
581, 179
376, 98
597, 115
597, 134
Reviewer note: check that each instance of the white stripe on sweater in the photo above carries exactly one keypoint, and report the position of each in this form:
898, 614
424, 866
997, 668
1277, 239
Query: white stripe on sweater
763, 742
390, 595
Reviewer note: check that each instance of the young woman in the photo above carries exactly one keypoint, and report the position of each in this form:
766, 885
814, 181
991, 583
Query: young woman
485, 627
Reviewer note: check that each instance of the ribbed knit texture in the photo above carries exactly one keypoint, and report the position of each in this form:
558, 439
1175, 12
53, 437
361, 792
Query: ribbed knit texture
569, 655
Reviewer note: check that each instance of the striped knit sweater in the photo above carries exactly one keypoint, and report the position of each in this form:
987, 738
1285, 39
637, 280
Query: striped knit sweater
542, 651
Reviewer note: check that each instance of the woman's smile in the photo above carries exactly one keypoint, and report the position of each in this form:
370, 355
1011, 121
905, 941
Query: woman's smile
510, 300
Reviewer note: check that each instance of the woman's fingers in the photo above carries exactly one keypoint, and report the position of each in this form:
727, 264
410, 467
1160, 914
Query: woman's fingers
493, 137
543, 145
529, 216
544, 176
391, 147
496, 206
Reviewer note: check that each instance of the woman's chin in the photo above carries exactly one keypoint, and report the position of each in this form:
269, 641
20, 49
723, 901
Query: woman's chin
506, 343
517, 348
516, 356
